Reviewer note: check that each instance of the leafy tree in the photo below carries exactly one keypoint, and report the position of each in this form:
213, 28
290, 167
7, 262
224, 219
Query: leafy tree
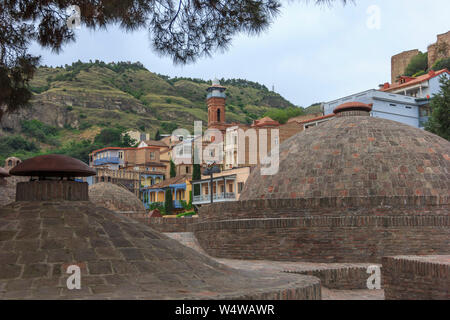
439, 122
157, 135
168, 202
417, 63
283, 115
441, 64
41, 131
181, 29
113, 137
173, 169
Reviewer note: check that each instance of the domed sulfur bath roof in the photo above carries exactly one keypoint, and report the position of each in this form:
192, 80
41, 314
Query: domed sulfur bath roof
52, 165
357, 156
115, 198
119, 258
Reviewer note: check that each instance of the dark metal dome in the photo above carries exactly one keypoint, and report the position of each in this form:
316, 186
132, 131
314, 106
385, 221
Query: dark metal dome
53, 165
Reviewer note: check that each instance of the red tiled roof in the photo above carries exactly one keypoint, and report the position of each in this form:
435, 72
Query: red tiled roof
354, 105
168, 182
316, 119
155, 143
266, 121
119, 148
413, 80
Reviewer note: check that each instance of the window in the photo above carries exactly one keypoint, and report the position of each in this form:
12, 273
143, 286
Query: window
230, 188
187, 169
276, 141
153, 169
240, 186
120, 155
221, 189
218, 115
152, 155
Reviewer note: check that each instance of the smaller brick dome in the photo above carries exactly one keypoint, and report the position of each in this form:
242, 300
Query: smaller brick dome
352, 106
115, 198
3, 173
52, 165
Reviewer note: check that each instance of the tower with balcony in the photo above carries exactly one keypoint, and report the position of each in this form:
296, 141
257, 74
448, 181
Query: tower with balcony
216, 104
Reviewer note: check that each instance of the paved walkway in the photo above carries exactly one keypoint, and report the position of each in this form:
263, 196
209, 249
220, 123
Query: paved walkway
189, 240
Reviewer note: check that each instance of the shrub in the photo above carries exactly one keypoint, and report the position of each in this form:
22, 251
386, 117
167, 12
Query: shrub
186, 214
417, 63
441, 64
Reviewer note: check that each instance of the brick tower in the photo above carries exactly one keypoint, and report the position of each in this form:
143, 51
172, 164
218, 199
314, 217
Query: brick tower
216, 104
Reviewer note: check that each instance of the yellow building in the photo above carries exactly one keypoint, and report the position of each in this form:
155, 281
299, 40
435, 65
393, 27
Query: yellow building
180, 186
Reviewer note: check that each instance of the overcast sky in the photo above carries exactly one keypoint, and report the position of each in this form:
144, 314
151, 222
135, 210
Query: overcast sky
309, 54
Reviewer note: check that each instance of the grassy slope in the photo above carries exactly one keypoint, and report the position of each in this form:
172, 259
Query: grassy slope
95, 97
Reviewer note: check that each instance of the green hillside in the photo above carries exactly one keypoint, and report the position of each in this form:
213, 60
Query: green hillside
76, 102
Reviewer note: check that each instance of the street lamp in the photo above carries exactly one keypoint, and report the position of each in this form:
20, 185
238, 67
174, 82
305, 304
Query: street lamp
210, 170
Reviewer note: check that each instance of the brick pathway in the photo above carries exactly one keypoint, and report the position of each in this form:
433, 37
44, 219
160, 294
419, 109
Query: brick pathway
189, 240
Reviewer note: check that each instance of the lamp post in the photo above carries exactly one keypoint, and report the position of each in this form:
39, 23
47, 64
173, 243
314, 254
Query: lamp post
210, 170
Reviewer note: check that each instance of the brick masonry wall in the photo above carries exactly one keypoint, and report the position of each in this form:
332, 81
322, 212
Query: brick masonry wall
166, 224
400, 61
440, 49
416, 278
52, 191
350, 278
283, 230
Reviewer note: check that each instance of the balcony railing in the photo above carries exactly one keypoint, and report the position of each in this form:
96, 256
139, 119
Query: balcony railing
176, 204
206, 198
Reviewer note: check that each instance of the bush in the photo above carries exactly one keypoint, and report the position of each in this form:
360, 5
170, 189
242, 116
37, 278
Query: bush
168, 203
41, 131
439, 122
417, 63
441, 64
283, 115
186, 214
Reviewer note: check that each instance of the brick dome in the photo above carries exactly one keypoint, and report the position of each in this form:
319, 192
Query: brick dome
353, 189
115, 198
357, 156
119, 258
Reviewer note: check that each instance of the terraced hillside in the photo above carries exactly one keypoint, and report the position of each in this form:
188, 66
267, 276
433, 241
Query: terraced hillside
78, 101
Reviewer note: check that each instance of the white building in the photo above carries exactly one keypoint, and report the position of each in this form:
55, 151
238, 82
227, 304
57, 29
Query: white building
406, 101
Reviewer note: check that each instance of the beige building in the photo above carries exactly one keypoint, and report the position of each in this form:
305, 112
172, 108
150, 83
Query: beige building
226, 186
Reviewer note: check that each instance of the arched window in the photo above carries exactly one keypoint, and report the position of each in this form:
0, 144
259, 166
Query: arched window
9, 163
218, 115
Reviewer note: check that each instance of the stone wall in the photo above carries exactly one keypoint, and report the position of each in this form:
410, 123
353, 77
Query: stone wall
416, 278
440, 49
62, 190
400, 61
8, 189
349, 278
166, 224
283, 230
